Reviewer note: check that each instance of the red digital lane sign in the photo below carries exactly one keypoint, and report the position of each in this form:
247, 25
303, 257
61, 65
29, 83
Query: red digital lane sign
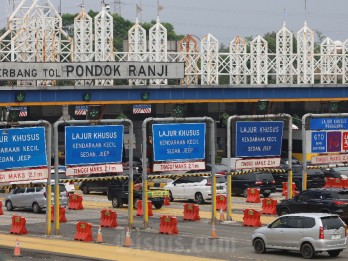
334, 141
345, 140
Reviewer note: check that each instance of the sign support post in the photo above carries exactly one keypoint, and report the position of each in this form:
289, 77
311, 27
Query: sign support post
144, 157
48, 132
304, 138
229, 152
56, 163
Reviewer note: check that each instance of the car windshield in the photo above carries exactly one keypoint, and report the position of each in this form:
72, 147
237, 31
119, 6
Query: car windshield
61, 188
263, 176
332, 222
219, 179
341, 169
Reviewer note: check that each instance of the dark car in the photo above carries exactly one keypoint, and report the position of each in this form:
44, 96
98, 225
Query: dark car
338, 172
259, 180
315, 177
317, 200
100, 185
117, 193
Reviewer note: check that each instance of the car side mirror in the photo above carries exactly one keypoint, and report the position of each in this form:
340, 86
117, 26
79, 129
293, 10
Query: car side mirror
269, 225
174, 184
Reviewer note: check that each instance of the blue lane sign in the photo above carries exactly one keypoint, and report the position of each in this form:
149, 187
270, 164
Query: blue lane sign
259, 139
318, 139
22, 148
86, 145
179, 141
328, 123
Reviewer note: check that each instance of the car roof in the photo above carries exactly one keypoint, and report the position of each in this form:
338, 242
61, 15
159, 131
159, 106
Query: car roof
311, 215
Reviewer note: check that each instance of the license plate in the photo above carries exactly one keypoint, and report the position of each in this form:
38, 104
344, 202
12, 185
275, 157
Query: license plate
267, 191
219, 188
335, 236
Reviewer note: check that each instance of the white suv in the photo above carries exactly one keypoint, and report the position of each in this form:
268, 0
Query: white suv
195, 188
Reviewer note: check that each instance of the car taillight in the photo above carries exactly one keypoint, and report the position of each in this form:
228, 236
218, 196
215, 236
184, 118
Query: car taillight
67, 193
258, 183
273, 181
337, 203
45, 194
321, 233
71, 182
208, 184
221, 173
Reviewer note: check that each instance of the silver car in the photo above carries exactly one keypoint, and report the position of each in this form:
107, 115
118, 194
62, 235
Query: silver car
309, 233
33, 198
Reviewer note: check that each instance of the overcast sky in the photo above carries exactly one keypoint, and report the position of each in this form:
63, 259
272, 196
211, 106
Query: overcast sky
226, 19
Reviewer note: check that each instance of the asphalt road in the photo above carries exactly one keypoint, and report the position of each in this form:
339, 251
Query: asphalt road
233, 241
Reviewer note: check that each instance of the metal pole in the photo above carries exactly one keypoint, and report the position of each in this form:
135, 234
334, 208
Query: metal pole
56, 163
144, 177
49, 192
48, 133
56, 185
130, 179
290, 175
213, 171
304, 141
229, 174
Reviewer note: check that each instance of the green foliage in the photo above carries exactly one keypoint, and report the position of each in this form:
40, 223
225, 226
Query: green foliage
271, 38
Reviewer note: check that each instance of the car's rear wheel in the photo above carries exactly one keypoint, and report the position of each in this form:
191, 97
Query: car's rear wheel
334, 253
199, 198
116, 202
307, 251
259, 246
284, 211
266, 195
85, 189
158, 205
36, 208
9, 205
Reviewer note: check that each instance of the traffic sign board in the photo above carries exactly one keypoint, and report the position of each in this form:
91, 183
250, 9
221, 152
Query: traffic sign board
93, 144
22, 148
328, 123
258, 139
179, 141
318, 142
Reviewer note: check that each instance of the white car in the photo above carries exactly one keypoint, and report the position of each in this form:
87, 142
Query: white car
195, 188
69, 186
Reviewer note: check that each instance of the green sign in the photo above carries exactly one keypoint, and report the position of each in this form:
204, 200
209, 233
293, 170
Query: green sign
86, 97
20, 97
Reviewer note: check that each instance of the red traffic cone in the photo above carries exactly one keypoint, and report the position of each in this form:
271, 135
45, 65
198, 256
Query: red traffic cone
99, 236
17, 250
127, 240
